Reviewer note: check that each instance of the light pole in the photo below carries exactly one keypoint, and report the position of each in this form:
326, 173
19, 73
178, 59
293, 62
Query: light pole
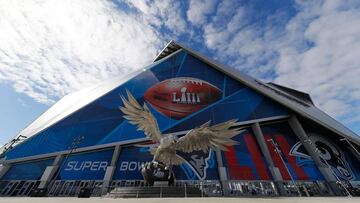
278, 151
11, 144
328, 165
73, 146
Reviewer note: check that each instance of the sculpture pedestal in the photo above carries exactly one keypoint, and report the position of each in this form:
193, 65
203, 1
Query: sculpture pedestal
156, 172
161, 183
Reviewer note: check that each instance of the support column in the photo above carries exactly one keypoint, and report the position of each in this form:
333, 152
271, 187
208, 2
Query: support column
354, 152
352, 148
221, 169
49, 172
312, 150
222, 173
3, 169
110, 169
275, 172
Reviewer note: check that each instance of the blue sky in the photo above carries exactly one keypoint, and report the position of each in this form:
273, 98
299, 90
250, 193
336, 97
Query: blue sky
51, 48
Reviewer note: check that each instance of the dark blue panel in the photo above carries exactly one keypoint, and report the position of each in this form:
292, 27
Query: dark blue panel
193, 67
232, 86
87, 166
265, 107
61, 138
170, 67
28, 170
243, 105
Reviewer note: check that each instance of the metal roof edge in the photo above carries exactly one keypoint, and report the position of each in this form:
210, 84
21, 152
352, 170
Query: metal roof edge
167, 50
293, 92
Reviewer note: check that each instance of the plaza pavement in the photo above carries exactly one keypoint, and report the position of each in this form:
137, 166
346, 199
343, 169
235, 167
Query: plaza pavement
181, 200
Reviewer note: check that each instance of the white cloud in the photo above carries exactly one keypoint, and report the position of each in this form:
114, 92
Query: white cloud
161, 13
226, 23
316, 51
329, 70
245, 46
51, 48
199, 10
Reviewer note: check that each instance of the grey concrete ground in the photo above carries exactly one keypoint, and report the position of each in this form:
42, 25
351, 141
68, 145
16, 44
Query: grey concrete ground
181, 200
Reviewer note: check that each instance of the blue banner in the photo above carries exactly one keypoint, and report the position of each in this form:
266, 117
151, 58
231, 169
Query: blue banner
28, 170
86, 166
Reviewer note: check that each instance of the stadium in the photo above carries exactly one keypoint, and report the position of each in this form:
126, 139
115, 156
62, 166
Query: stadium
85, 145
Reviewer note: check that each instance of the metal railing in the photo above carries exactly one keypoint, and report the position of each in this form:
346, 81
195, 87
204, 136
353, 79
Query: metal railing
213, 188
137, 189
60, 188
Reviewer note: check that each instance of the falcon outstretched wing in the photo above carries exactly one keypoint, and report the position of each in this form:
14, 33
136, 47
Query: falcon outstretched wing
140, 116
208, 137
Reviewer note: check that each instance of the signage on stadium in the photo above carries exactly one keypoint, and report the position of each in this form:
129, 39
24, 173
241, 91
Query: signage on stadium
131, 165
86, 165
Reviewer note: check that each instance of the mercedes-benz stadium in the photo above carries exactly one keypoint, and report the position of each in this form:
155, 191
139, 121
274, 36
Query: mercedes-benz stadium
96, 141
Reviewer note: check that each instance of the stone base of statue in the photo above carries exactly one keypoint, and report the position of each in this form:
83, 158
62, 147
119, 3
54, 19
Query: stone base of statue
156, 171
161, 183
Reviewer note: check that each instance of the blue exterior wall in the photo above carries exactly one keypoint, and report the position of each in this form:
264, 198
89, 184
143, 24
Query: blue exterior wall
101, 122
28, 170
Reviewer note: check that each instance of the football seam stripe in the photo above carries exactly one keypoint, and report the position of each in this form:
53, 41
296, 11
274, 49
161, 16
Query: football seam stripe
172, 109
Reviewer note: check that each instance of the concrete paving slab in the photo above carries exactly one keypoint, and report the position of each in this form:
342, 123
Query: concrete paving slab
183, 200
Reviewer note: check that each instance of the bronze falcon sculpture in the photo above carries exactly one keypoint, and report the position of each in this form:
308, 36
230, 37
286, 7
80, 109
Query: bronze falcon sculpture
204, 137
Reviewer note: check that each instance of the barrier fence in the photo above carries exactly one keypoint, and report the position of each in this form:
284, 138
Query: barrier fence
137, 188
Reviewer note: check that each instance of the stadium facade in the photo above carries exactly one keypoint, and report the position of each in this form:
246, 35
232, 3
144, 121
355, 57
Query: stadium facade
287, 146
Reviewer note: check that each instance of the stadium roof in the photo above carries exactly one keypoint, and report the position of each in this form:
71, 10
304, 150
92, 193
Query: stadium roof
295, 100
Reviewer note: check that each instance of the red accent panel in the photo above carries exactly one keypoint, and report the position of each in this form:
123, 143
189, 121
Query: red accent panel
276, 158
256, 157
285, 148
237, 172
